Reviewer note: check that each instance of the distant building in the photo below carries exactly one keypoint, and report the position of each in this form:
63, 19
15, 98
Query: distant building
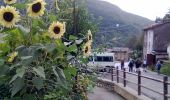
121, 53
156, 42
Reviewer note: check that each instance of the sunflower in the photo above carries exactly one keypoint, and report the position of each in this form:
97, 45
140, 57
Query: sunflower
8, 16
87, 49
36, 8
89, 35
57, 30
12, 56
10, 1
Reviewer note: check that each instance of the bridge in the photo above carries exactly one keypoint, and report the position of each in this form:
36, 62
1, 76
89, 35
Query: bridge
131, 86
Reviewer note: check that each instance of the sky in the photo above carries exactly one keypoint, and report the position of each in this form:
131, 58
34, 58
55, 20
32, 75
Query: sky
146, 8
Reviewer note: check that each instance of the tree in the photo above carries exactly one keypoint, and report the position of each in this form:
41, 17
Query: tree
167, 16
78, 19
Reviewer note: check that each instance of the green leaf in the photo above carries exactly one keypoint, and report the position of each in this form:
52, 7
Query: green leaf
2, 62
19, 73
20, 48
13, 78
26, 60
17, 86
70, 72
71, 37
38, 82
59, 74
72, 48
20, 6
50, 47
3, 69
26, 57
7, 30
40, 71
52, 17
29, 97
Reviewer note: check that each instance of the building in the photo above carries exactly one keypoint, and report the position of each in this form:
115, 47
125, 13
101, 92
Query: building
121, 53
168, 51
156, 42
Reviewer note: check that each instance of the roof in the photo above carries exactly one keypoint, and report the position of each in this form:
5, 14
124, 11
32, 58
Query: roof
118, 49
102, 54
155, 25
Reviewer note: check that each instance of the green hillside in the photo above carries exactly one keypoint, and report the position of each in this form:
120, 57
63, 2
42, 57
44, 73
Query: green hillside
116, 25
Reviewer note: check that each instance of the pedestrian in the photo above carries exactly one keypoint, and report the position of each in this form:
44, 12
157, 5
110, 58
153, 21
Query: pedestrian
144, 65
122, 64
158, 66
138, 65
131, 64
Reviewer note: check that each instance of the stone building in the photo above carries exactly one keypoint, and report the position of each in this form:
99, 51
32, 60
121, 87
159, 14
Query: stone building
156, 42
121, 53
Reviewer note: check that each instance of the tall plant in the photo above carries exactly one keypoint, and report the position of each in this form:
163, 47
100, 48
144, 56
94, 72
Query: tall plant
36, 59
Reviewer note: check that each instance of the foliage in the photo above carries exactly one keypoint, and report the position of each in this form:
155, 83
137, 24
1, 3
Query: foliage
35, 65
166, 69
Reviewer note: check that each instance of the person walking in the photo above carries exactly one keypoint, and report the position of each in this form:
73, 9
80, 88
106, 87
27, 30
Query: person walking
144, 65
131, 64
158, 66
122, 64
138, 65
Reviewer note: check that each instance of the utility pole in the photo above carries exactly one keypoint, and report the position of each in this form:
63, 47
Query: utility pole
74, 18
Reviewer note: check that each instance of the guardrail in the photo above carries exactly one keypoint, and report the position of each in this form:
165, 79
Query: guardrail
164, 82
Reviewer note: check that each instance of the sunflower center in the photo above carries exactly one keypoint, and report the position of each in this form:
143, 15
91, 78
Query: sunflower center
8, 16
86, 49
56, 30
90, 38
36, 7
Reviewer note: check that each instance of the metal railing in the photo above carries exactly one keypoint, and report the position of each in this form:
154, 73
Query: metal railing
164, 82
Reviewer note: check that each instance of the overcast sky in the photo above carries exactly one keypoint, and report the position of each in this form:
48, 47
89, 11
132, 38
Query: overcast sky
146, 8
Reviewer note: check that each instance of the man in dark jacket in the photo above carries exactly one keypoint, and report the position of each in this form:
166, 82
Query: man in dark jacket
138, 65
131, 64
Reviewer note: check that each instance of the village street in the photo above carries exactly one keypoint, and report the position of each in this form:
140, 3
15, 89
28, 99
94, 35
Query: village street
146, 82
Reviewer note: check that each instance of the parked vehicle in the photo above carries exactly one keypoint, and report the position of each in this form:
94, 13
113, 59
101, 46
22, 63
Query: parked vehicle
101, 61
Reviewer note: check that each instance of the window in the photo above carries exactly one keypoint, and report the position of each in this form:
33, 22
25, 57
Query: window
98, 58
104, 58
108, 59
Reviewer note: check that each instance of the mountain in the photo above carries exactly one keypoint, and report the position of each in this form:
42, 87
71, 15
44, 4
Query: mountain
116, 26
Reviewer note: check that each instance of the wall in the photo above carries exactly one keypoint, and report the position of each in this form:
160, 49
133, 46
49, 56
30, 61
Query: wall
161, 37
168, 51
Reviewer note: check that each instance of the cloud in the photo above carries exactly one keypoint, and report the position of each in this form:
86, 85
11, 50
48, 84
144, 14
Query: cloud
146, 8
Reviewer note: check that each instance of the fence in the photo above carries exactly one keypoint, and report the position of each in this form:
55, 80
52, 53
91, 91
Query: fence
164, 82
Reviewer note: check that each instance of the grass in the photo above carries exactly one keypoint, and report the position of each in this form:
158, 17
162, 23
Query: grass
165, 69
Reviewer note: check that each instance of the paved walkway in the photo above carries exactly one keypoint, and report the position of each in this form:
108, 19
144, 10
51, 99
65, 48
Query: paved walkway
103, 94
146, 82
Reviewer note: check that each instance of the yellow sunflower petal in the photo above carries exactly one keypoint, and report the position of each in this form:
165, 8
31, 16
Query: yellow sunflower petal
57, 30
87, 49
36, 9
12, 56
10, 60
89, 36
10, 1
9, 16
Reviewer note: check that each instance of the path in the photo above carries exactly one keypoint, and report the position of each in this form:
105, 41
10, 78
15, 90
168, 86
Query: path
103, 94
146, 82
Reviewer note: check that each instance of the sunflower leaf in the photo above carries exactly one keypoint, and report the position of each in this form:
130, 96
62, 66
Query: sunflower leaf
72, 37
40, 71
20, 6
